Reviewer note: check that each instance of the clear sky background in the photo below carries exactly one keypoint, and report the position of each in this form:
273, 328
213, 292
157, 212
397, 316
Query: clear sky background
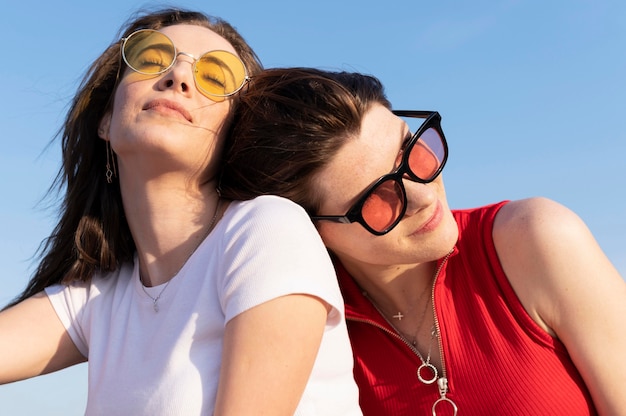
532, 95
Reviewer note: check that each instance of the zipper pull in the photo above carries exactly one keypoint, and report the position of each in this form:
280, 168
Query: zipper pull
442, 384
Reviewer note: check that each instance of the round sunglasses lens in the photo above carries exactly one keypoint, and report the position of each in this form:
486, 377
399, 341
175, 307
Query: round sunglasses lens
219, 73
427, 154
384, 205
149, 52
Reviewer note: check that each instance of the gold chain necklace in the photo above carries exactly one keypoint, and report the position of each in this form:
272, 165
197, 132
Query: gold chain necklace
155, 300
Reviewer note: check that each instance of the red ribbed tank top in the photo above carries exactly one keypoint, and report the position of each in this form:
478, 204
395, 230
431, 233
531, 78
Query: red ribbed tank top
498, 360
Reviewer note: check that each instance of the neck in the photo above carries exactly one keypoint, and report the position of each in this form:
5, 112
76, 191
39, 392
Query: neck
395, 288
403, 295
404, 299
168, 220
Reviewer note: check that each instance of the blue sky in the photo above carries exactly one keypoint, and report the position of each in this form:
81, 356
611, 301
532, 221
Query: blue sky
532, 95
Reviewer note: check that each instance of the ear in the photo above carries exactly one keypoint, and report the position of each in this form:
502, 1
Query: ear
103, 127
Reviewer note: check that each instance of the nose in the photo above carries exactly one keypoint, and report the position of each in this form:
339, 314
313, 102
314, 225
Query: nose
419, 195
180, 75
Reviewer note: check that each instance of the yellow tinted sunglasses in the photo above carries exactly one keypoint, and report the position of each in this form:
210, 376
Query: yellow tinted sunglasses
217, 74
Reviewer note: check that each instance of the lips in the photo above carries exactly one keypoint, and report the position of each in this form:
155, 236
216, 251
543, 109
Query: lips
432, 222
168, 106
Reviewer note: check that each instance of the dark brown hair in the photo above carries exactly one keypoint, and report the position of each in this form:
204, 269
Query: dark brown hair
92, 233
287, 125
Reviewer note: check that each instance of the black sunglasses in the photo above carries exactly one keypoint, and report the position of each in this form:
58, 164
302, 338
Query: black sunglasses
383, 204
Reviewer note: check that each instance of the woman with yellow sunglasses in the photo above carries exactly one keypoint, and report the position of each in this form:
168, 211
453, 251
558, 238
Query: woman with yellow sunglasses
172, 294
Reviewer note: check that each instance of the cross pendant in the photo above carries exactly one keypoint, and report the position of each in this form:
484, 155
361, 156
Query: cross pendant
398, 316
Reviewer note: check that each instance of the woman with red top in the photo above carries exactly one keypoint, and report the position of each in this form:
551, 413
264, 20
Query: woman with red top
510, 308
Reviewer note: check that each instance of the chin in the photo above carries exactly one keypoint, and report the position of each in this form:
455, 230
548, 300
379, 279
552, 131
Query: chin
448, 235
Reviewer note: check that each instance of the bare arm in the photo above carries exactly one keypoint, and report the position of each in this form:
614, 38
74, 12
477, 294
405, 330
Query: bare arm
33, 341
571, 289
268, 355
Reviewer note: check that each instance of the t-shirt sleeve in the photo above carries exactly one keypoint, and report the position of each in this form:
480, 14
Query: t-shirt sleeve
272, 249
69, 302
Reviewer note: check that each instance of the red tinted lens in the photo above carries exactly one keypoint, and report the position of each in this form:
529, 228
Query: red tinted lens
383, 206
426, 155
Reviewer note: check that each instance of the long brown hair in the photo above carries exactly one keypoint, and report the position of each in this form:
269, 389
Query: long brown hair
287, 125
92, 233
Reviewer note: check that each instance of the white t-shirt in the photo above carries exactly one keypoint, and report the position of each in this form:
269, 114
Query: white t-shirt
143, 362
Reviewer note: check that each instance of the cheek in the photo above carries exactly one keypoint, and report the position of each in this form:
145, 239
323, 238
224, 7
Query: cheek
121, 100
330, 233
124, 89
118, 126
344, 238
215, 116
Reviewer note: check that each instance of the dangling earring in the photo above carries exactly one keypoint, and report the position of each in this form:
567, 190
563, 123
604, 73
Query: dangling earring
111, 168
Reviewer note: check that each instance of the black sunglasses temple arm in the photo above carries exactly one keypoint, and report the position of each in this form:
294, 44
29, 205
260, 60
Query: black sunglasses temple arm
343, 219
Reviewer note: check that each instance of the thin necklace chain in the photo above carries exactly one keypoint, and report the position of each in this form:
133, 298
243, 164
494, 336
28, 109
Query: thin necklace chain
422, 316
426, 364
434, 334
400, 315
155, 300
442, 382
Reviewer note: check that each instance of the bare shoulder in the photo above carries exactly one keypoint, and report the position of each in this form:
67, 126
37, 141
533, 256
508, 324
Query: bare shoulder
549, 256
570, 288
536, 215
540, 231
